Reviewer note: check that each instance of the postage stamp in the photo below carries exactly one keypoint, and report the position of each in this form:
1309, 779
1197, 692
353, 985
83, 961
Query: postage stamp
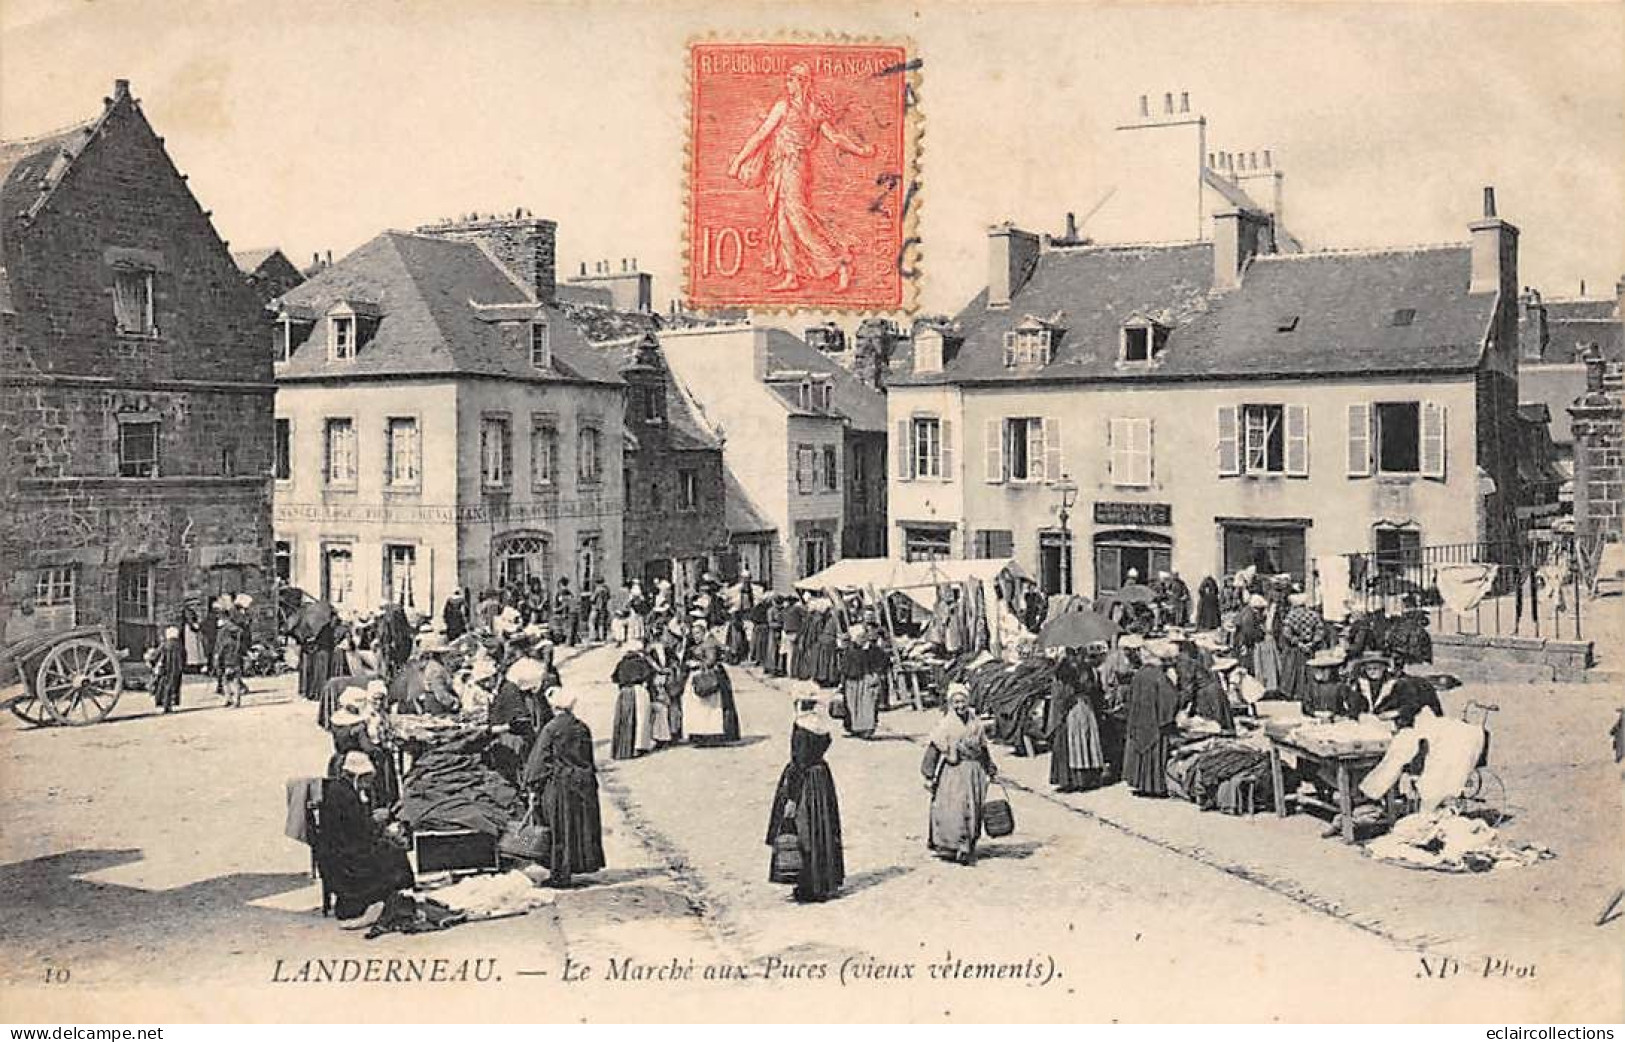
802, 187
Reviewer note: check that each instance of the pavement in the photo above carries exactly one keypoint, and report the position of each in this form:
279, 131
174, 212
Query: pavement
143, 858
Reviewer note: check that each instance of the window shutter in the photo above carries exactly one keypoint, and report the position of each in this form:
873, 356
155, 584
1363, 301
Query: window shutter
1433, 444
1359, 440
993, 450
1009, 349
905, 453
945, 452
1054, 460
1037, 450
1297, 441
1229, 441
1150, 452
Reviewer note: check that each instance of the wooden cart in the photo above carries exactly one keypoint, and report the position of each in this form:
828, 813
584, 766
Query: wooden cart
70, 677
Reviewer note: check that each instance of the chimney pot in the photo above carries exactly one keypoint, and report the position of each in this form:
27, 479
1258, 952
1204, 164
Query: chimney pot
1269, 161
1184, 101
329, 257
1489, 200
1211, 160
1145, 105
121, 87
1071, 226
1168, 103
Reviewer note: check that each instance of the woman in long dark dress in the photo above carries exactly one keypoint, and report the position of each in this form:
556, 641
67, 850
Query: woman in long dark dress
805, 804
357, 862
313, 629
167, 668
1073, 727
1153, 702
561, 772
632, 673
512, 716
1207, 604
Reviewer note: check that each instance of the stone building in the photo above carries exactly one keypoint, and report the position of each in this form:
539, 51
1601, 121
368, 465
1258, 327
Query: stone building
135, 390
805, 447
1213, 405
1555, 336
674, 525
1598, 419
441, 423
269, 272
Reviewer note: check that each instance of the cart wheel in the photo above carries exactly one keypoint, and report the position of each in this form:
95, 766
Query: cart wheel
30, 710
1485, 796
79, 682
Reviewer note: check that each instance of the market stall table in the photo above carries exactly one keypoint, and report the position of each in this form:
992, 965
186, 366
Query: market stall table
1345, 763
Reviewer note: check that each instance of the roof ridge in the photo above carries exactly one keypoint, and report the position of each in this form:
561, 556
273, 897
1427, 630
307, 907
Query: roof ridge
45, 136
1364, 251
1107, 247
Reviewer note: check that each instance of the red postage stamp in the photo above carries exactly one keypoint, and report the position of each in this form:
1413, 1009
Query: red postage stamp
802, 190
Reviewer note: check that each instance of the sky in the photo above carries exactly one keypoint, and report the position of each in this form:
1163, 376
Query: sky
314, 126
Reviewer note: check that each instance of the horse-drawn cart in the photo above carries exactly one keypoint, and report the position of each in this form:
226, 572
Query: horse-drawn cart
70, 677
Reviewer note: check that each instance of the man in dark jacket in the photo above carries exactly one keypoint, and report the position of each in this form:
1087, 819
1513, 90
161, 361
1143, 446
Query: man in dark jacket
566, 621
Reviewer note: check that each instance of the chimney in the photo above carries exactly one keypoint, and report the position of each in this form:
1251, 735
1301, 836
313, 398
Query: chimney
1238, 236
1012, 255
121, 88
1494, 253
1071, 226
1145, 106
523, 245
1533, 335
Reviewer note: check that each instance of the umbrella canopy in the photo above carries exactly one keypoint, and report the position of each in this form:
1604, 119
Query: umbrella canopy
311, 618
1076, 629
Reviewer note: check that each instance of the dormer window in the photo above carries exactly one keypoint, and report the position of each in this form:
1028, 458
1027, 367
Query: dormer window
283, 339
806, 396
541, 346
1029, 344
1403, 316
928, 350
826, 393
1143, 340
341, 337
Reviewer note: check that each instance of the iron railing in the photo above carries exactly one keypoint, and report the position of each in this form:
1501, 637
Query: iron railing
1533, 588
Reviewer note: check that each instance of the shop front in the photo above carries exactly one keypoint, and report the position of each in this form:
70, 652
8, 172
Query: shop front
1127, 543
1275, 546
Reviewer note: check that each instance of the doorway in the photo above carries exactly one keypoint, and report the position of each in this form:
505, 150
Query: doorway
1055, 562
137, 629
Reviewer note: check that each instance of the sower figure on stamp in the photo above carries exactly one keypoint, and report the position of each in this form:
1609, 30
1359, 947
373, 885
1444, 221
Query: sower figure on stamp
779, 157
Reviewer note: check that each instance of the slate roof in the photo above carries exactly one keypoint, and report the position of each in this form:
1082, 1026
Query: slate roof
687, 430
29, 168
1343, 304
1567, 336
862, 406
1569, 308
426, 290
739, 512
249, 261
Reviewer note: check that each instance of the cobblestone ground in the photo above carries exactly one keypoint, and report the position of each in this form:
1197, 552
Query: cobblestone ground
145, 857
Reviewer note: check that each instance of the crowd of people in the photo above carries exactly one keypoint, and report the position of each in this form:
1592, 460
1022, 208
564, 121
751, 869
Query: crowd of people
1113, 714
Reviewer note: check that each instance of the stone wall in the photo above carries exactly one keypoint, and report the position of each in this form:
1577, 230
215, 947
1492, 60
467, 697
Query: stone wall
1599, 454
204, 373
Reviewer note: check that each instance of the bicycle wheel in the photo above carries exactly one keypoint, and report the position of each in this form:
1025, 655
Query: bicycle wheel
1485, 796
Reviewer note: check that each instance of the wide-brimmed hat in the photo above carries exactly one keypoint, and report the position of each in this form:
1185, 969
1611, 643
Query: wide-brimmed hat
355, 698
527, 674
344, 718
1328, 659
1208, 641
1131, 640
1224, 663
357, 762
1258, 600
1369, 657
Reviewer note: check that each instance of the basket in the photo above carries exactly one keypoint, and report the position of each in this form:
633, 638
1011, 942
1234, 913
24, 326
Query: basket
998, 820
786, 864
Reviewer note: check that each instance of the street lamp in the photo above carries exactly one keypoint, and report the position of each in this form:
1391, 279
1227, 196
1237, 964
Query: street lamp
1067, 489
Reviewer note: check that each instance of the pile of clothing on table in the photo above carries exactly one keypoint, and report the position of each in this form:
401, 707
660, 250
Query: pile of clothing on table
1013, 694
1221, 773
1445, 841
452, 786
